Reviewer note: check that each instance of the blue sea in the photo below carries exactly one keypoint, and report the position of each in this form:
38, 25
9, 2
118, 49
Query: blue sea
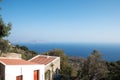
110, 52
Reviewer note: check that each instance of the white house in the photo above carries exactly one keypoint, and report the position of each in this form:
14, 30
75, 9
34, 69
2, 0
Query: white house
18, 69
51, 63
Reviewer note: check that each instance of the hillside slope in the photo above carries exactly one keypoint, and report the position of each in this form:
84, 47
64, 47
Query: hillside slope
7, 47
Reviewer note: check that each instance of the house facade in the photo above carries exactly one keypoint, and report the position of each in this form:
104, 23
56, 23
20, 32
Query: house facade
40, 67
51, 63
18, 69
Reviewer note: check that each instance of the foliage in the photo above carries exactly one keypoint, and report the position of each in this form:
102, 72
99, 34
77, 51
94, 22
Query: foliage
94, 67
26, 53
4, 29
47, 75
4, 45
4, 32
23, 48
114, 70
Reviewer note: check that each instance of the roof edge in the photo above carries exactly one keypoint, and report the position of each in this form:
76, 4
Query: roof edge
53, 60
34, 57
3, 63
42, 55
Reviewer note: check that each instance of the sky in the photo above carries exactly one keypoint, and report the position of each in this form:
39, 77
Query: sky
68, 21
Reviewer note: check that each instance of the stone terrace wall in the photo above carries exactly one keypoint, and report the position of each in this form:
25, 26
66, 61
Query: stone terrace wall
11, 55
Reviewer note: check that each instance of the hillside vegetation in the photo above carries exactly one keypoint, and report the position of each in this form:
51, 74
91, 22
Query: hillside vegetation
7, 47
91, 68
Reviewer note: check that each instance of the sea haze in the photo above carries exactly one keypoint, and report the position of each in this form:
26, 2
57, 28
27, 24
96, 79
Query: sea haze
110, 52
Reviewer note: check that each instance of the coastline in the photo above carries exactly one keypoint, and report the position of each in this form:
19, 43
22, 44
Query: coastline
110, 52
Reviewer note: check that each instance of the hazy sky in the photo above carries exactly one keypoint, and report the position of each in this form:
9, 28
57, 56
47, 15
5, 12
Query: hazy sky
94, 21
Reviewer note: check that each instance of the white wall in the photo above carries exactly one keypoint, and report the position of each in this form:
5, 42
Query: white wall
11, 71
56, 65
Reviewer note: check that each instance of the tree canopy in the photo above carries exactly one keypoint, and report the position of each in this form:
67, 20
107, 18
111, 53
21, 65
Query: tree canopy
4, 29
94, 68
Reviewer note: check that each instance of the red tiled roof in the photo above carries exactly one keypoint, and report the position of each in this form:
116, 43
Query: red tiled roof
42, 59
16, 62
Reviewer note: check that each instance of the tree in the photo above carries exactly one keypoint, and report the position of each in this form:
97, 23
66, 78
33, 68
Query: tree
24, 48
94, 68
4, 32
4, 46
114, 70
4, 29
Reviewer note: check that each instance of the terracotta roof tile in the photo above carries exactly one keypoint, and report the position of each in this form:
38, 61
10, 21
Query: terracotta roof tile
42, 59
16, 62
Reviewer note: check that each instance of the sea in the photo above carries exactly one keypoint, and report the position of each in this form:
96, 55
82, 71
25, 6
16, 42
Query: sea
110, 52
